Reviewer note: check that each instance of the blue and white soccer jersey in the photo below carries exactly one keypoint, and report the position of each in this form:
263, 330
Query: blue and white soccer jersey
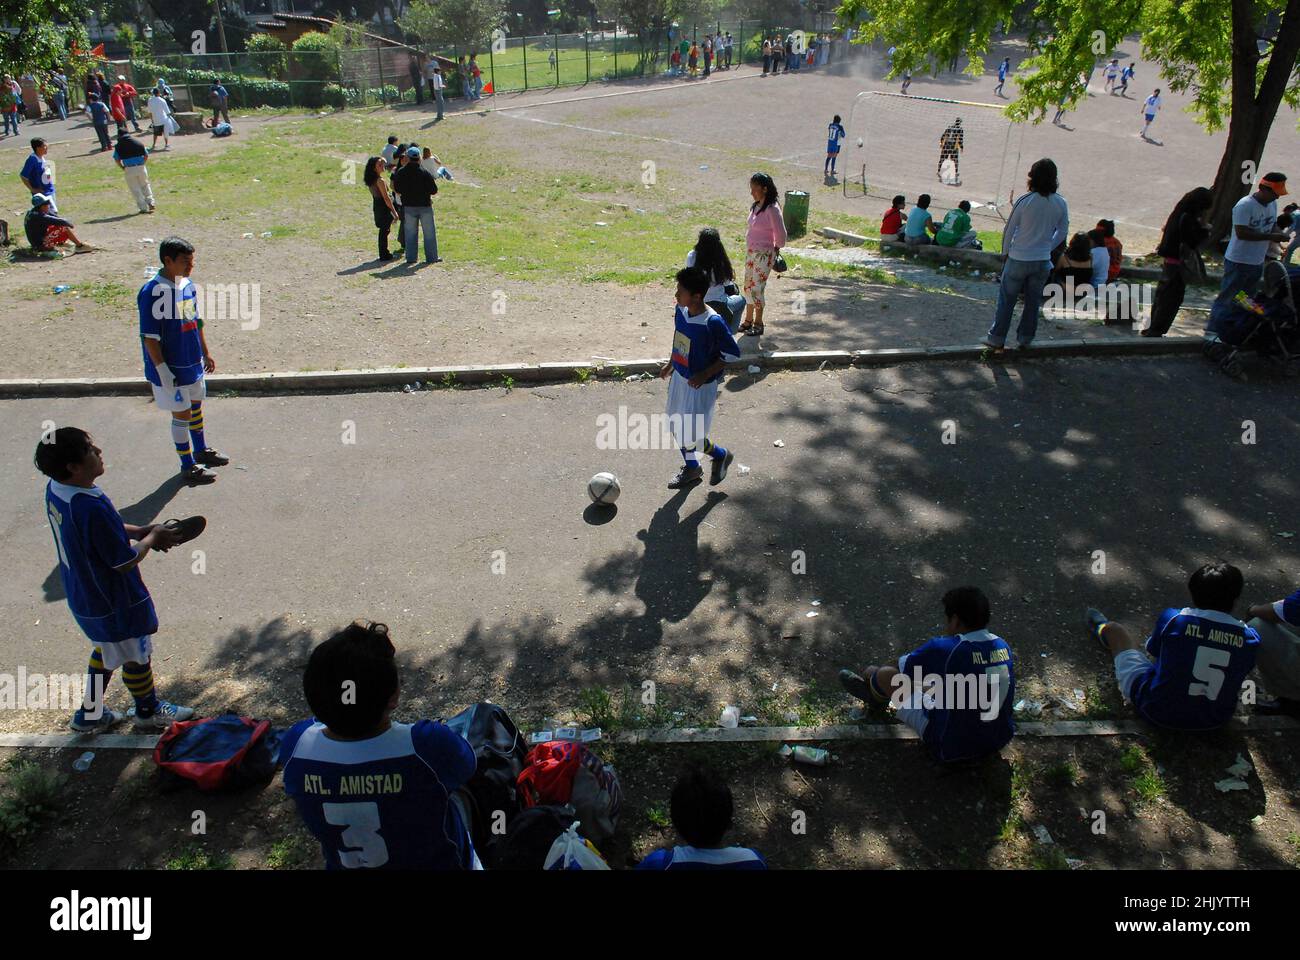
1288, 610
382, 803
113, 608
169, 314
1201, 659
693, 858
834, 134
964, 711
698, 343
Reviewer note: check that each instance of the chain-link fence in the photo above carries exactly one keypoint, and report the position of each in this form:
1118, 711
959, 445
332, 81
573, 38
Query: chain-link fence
371, 76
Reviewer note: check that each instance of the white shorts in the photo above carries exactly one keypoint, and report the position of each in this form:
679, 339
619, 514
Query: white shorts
913, 714
179, 398
690, 410
1130, 666
115, 655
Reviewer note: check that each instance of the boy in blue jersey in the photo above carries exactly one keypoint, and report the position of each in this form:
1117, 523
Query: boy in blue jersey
375, 793
1278, 626
101, 577
702, 346
176, 356
834, 134
702, 809
1202, 654
956, 689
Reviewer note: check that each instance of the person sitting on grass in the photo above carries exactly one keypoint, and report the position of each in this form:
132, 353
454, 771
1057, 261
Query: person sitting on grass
1278, 626
954, 690
920, 224
375, 793
45, 231
955, 231
1202, 654
1113, 247
702, 811
891, 224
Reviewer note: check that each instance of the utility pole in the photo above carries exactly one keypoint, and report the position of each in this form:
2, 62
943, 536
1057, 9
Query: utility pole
221, 33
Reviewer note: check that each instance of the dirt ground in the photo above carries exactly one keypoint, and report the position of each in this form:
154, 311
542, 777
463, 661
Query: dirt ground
877, 806
326, 304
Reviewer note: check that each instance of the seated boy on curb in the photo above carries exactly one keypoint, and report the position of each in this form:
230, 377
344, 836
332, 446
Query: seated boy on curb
375, 793
954, 690
702, 811
891, 225
1202, 654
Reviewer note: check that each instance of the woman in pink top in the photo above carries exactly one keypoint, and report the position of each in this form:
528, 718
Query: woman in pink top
763, 245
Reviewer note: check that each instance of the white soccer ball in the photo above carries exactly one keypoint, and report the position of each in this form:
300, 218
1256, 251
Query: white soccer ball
603, 488
859, 141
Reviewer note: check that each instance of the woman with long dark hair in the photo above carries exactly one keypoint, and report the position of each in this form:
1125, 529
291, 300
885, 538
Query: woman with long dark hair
381, 202
710, 256
1180, 241
763, 243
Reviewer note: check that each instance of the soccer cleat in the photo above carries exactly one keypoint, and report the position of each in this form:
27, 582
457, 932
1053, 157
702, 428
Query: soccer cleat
188, 529
210, 458
163, 716
196, 476
686, 477
80, 724
719, 469
1093, 621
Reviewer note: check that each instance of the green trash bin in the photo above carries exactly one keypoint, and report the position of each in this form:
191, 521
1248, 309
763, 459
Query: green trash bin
796, 213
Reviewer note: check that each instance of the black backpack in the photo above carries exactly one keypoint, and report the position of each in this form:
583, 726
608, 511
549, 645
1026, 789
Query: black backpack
528, 839
500, 750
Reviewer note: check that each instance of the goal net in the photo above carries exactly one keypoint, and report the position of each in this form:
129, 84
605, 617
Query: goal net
951, 149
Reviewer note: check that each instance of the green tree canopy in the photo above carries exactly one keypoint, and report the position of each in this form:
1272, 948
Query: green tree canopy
43, 33
463, 24
1237, 58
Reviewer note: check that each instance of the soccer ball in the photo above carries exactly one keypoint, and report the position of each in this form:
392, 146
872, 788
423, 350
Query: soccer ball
603, 488
859, 141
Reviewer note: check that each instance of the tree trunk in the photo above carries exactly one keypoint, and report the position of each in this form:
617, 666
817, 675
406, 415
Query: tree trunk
1253, 111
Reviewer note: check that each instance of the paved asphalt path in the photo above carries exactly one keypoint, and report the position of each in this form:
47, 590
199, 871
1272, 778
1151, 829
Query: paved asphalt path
1053, 460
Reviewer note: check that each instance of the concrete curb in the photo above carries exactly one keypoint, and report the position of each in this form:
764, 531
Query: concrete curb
980, 258
687, 735
569, 371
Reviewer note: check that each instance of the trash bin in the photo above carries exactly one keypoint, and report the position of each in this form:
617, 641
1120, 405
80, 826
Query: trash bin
796, 212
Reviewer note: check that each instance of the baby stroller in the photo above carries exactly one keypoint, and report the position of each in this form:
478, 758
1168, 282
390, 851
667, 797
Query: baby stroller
1265, 325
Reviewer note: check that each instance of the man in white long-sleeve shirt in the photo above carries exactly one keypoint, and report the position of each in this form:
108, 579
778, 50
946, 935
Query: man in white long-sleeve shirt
1039, 221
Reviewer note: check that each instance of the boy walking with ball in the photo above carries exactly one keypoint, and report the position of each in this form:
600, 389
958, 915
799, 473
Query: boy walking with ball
176, 357
702, 346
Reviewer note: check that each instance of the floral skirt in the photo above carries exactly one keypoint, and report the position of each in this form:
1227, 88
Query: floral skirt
758, 265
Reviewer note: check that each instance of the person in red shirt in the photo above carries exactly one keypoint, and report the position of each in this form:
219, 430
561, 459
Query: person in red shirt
117, 108
1113, 247
129, 94
891, 227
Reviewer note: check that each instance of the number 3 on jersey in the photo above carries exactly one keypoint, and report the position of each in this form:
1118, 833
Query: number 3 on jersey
361, 833
1208, 671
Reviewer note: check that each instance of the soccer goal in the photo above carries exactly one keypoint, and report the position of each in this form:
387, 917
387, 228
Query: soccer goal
953, 150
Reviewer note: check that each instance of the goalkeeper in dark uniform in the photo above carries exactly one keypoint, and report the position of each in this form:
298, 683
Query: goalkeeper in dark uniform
951, 143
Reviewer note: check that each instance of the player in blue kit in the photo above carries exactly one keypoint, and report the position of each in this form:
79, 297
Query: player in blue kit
702, 811
375, 793
956, 689
1278, 626
834, 134
1202, 654
101, 577
702, 347
176, 356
